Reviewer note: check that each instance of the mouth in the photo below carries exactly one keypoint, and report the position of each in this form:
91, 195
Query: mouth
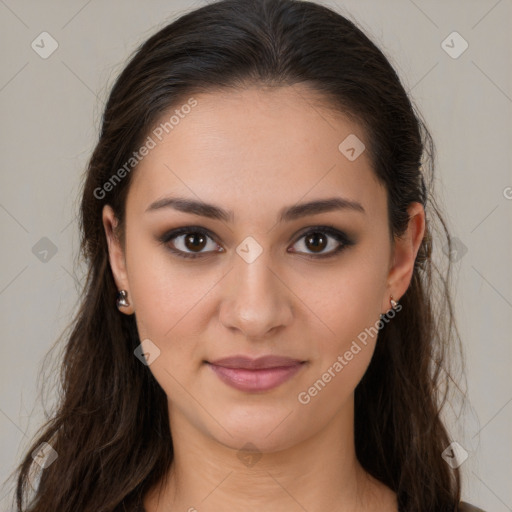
255, 375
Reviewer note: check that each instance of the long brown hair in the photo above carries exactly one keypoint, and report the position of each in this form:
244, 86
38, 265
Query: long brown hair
110, 428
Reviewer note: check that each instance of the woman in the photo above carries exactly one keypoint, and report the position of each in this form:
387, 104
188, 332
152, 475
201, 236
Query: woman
257, 205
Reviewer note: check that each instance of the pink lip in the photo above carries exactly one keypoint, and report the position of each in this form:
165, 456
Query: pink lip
261, 374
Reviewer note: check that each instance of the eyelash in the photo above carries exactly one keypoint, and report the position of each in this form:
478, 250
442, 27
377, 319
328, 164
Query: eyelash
339, 236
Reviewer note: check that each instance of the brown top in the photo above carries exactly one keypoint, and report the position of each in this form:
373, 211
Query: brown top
466, 507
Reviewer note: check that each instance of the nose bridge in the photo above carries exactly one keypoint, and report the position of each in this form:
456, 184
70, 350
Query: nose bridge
257, 301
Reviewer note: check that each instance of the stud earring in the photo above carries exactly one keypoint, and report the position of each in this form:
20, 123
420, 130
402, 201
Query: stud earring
394, 303
122, 299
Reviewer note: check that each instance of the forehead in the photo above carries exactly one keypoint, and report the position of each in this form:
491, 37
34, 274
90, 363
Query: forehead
255, 147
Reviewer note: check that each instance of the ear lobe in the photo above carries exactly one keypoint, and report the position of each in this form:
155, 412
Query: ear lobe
405, 251
115, 250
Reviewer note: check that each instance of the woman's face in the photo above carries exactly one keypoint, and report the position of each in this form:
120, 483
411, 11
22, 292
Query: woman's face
268, 278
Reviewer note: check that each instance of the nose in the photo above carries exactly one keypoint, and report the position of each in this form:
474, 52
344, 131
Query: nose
256, 300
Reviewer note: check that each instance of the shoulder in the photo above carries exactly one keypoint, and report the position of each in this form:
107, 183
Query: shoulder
466, 507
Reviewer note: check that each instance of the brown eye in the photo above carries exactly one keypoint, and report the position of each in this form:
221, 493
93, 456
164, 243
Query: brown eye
316, 241
195, 241
190, 242
323, 242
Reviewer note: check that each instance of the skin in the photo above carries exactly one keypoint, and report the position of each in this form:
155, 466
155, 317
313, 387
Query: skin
255, 151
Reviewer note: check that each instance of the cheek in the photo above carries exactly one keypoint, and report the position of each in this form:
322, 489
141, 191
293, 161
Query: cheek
342, 358
351, 303
351, 310
165, 293
331, 390
167, 304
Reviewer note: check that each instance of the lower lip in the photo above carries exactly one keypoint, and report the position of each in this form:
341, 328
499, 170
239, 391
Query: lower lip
255, 380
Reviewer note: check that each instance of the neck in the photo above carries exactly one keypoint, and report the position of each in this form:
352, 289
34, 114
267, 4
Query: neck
321, 473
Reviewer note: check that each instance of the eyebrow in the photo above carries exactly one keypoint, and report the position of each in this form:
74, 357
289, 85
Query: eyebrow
286, 214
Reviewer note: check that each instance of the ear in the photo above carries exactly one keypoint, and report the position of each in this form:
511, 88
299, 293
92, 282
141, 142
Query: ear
404, 254
116, 255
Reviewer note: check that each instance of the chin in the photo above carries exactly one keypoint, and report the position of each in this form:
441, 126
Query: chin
269, 429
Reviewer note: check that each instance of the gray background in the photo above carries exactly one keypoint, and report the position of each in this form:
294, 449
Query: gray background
50, 111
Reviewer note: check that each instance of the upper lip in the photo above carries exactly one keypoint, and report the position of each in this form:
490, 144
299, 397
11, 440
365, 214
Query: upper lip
248, 363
